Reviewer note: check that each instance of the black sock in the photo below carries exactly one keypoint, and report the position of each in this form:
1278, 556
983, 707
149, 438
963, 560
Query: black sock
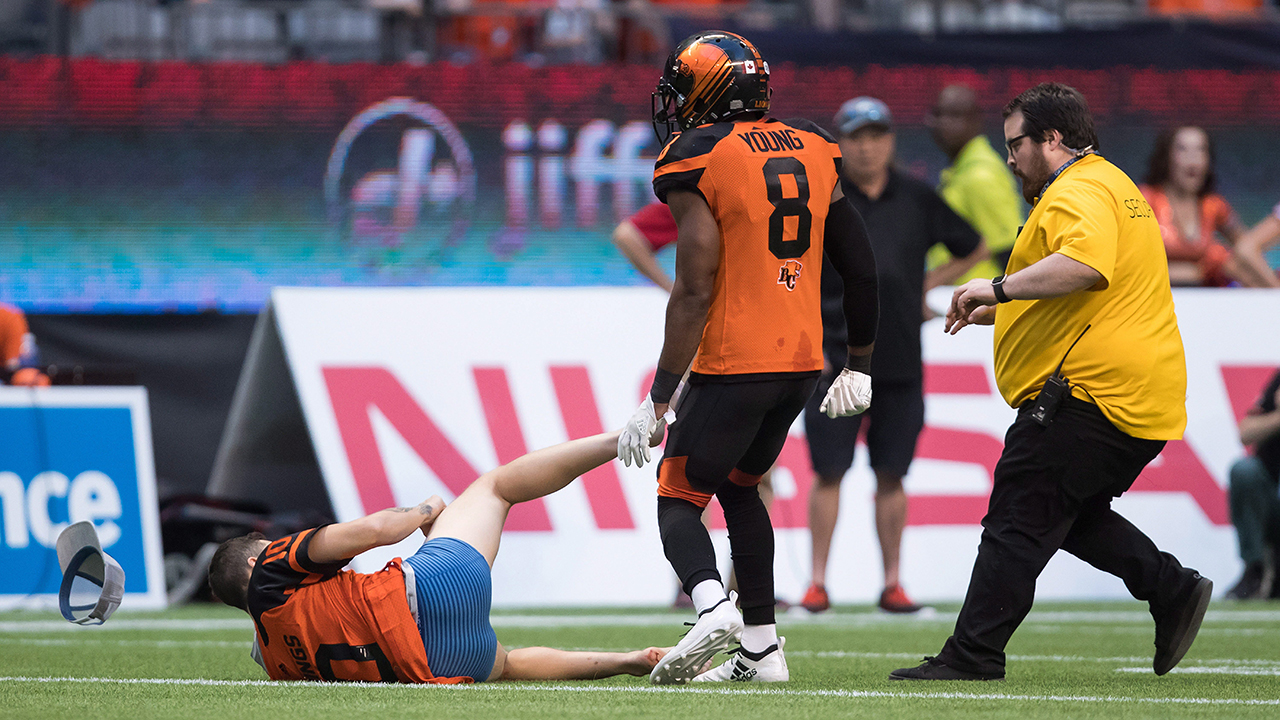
686, 542
751, 541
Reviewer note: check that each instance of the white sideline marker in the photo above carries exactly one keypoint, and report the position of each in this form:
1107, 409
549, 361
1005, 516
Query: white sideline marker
1047, 621
863, 694
1219, 666
1210, 670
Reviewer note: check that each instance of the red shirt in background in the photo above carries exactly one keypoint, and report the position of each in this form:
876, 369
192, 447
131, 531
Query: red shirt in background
656, 223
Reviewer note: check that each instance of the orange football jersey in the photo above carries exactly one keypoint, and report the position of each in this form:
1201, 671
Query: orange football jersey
316, 621
769, 185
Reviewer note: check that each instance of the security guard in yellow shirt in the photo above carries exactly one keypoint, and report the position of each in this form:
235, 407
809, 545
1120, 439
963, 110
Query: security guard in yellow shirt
1087, 349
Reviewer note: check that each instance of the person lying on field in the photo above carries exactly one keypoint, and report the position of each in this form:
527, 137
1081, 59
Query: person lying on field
423, 619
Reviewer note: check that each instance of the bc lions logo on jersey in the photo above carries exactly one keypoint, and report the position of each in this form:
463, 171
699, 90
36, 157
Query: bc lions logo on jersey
789, 273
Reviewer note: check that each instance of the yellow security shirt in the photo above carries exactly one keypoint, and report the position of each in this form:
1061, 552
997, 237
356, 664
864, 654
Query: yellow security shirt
1130, 362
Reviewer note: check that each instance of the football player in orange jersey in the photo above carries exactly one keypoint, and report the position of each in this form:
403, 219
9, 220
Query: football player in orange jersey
421, 619
757, 203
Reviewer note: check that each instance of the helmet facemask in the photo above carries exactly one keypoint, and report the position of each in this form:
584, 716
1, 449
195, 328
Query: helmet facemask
664, 104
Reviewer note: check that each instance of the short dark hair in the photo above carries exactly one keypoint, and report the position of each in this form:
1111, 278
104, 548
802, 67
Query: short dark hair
227, 577
1161, 161
1054, 106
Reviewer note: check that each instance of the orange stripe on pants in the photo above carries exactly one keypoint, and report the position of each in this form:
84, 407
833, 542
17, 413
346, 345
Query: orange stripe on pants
672, 482
741, 479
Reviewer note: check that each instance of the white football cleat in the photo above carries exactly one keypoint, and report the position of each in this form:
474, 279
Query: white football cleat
715, 630
740, 668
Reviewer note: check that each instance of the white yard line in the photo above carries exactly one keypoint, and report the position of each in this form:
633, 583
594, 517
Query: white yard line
79, 642
1050, 621
1203, 665
766, 692
1198, 665
1148, 629
1212, 670
167, 625
1215, 615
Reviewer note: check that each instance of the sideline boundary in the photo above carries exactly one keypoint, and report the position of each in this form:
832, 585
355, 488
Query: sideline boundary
847, 694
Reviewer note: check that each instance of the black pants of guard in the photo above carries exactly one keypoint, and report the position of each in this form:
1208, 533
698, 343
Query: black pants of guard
1052, 489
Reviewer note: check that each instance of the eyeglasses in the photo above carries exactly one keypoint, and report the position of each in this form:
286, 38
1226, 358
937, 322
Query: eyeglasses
1014, 141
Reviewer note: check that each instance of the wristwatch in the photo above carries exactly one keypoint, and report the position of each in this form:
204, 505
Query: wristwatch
997, 285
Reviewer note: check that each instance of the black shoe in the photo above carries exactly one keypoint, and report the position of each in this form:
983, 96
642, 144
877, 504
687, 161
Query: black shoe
1176, 628
934, 669
1253, 584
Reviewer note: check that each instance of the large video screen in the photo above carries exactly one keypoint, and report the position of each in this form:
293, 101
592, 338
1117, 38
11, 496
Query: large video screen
156, 187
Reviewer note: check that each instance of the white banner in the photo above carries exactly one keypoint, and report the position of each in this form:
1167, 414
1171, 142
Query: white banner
413, 392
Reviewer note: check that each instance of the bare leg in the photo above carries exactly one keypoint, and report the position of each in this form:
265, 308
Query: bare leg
476, 517
766, 489
891, 518
540, 663
824, 509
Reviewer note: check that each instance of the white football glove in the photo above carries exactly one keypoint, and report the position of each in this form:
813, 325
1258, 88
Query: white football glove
850, 394
633, 443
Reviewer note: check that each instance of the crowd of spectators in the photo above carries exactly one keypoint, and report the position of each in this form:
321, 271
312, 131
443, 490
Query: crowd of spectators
536, 31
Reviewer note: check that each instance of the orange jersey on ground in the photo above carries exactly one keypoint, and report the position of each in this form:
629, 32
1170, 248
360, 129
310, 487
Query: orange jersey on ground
13, 325
316, 621
769, 185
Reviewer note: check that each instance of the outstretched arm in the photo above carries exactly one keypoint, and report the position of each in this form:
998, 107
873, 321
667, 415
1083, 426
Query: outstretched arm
385, 527
540, 663
1053, 276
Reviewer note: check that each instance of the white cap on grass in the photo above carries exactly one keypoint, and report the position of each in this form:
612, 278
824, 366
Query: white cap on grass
92, 581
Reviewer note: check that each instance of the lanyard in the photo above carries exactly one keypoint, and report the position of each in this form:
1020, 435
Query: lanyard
1083, 154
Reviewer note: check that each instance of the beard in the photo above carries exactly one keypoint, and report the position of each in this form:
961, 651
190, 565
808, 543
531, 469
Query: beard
1033, 176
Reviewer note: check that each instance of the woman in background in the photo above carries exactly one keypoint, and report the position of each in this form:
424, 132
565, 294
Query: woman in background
1180, 189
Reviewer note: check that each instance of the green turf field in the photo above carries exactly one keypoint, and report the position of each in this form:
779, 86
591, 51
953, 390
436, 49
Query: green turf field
1067, 660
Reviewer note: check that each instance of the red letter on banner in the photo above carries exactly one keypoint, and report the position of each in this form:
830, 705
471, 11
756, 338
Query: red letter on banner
965, 446
582, 419
353, 391
508, 441
1244, 384
1178, 469
935, 443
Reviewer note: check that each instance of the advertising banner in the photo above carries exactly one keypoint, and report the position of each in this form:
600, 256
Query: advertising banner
177, 186
412, 392
73, 454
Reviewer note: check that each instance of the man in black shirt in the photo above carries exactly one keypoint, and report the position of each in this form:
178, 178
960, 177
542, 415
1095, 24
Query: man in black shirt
1255, 509
904, 218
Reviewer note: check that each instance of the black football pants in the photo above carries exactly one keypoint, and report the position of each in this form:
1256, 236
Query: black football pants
725, 434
